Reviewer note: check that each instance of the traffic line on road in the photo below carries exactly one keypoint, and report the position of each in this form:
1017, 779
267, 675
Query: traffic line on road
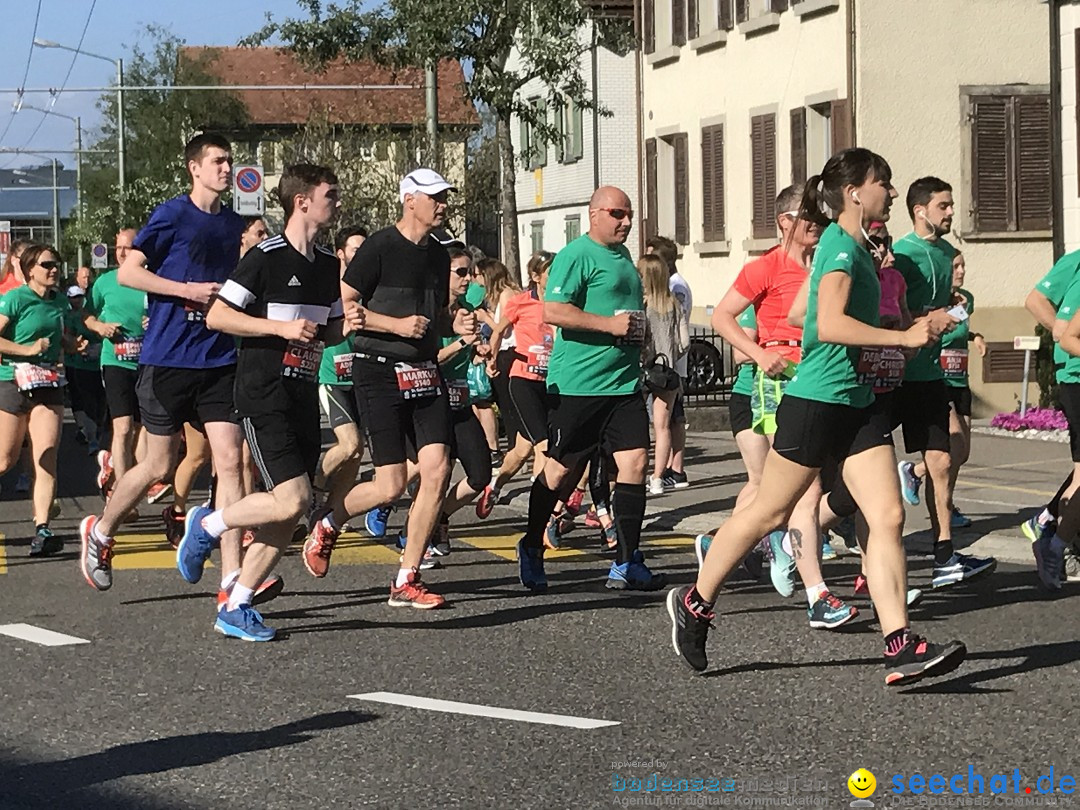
478, 710
39, 635
3, 554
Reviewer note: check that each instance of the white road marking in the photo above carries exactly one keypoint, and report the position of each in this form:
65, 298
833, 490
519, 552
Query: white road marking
477, 710
39, 635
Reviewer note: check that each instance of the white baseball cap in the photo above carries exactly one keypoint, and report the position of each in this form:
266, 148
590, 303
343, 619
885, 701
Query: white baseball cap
74, 291
425, 181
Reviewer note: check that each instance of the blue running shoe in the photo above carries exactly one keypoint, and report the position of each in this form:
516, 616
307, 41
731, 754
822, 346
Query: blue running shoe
782, 570
701, 548
375, 520
827, 551
531, 567
401, 540
909, 482
634, 575
195, 545
829, 612
959, 520
244, 623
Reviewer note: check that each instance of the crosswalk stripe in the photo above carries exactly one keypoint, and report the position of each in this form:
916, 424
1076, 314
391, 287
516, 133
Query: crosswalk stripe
478, 710
39, 635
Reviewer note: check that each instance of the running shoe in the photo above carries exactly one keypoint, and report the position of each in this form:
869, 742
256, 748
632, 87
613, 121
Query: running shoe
920, 658
531, 572
674, 480
414, 594
44, 543
158, 491
656, 487
244, 623
95, 557
909, 482
1049, 560
269, 588
488, 498
782, 569
1033, 530
573, 503
22, 485
319, 546
754, 564
174, 525
400, 540
592, 520
914, 595
552, 537
54, 509
375, 521
441, 543
829, 611
247, 538
133, 517
105, 472
1072, 565
689, 630
609, 540
827, 551
634, 575
427, 562
195, 545
961, 567
959, 520
701, 548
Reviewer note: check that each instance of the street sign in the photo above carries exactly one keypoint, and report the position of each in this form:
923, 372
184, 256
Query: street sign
248, 198
1026, 344
99, 256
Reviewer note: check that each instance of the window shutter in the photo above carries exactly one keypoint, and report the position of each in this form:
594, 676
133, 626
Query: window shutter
763, 172
678, 22
524, 146
539, 147
778, 5
991, 167
648, 25
562, 135
681, 143
726, 14
1032, 128
650, 187
742, 10
840, 118
712, 176
692, 27
798, 146
576, 132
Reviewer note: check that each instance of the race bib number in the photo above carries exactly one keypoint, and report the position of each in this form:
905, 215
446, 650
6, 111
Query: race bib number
537, 362
195, 312
343, 366
29, 377
636, 335
954, 363
128, 349
458, 391
301, 360
882, 369
417, 380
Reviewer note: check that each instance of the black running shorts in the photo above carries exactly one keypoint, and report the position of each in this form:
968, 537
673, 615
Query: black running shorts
923, 409
284, 446
874, 432
578, 425
1069, 395
819, 434
120, 396
530, 403
740, 413
85, 391
471, 449
169, 397
960, 399
338, 405
12, 400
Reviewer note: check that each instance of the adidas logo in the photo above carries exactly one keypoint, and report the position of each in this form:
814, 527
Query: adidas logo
294, 282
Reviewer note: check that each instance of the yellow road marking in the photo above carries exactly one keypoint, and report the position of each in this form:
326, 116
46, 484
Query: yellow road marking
137, 551
3, 554
352, 549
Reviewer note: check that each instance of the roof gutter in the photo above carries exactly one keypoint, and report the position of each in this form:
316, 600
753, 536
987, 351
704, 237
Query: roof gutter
1057, 190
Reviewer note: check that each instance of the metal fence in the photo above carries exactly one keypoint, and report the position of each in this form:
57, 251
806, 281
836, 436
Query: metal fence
710, 368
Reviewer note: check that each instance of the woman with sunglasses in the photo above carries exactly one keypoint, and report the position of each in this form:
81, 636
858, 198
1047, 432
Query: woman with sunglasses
31, 400
827, 415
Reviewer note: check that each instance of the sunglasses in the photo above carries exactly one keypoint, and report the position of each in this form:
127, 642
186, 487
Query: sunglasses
619, 213
49, 265
463, 272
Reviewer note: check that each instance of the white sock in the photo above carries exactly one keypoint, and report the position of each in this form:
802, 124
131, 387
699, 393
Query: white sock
239, 596
229, 580
814, 592
214, 523
99, 536
402, 577
1045, 516
786, 543
329, 523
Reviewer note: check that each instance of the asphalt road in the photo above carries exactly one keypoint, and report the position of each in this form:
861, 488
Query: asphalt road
158, 711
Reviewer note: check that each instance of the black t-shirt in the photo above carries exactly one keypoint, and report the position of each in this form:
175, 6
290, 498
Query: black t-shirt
398, 278
275, 281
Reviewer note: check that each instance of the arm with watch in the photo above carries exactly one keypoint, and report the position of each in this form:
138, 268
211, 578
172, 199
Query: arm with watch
451, 349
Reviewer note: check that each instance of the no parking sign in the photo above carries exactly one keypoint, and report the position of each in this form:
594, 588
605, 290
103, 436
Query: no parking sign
248, 190
99, 256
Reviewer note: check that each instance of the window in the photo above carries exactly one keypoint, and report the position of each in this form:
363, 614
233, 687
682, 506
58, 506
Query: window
725, 14
798, 146
817, 133
573, 228
712, 175
1010, 160
537, 236
533, 149
667, 181
763, 174
568, 123
678, 21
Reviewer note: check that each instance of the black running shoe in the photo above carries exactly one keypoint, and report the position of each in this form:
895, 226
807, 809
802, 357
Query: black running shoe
920, 658
689, 631
174, 526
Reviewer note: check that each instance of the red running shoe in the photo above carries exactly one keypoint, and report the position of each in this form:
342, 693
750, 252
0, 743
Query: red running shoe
414, 594
270, 588
573, 503
592, 520
319, 546
248, 539
486, 504
158, 491
860, 585
105, 473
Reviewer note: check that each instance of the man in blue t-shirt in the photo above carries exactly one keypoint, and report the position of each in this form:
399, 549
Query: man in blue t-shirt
180, 258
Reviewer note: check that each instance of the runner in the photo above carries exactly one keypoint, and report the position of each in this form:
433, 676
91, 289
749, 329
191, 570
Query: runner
498, 287
594, 298
254, 232
826, 415
82, 370
924, 257
186, 372
11, 274
283, 301
400, 275
1059, 538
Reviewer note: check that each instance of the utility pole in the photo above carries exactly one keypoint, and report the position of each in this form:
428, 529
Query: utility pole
55, 208
431, 98
120, 132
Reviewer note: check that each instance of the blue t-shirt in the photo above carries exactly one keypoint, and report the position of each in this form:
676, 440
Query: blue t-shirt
184, 243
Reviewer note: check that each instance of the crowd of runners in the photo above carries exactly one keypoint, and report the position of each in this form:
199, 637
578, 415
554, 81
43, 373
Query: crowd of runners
214, 344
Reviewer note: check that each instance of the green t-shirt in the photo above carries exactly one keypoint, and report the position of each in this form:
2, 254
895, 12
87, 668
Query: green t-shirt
954, 348
335, 368
828, 371
90, 358
1061, 276
927, 269
111, 302
599, 280
31, 317
744, 378
457, 367
1067, 367
474, 295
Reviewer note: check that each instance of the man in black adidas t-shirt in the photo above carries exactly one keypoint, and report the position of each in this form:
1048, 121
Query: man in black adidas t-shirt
284, 301
401, 277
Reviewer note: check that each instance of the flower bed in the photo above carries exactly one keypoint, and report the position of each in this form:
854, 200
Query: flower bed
1034, 419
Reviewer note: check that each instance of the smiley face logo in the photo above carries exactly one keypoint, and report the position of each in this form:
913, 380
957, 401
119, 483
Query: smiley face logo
862, 783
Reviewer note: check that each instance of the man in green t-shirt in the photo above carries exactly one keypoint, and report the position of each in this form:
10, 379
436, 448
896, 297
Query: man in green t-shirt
594, 299
925, 259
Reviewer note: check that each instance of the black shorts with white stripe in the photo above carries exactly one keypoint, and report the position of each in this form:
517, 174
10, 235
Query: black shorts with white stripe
284, 446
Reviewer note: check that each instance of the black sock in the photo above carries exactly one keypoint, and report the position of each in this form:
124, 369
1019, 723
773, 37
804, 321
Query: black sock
629, 503
943, 551
40, 526
541, 504
1054, 507
895, 641
697, 604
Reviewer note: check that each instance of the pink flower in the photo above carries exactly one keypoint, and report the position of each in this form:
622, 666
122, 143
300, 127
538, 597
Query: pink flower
1034, 419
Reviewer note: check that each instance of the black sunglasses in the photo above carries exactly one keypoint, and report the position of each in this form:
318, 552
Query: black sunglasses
463, 272
49, 265
618, 213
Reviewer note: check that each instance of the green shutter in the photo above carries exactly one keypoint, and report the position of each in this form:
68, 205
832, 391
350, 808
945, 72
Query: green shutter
576, 148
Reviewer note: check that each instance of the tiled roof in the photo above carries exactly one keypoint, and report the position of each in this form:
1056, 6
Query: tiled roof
278, 66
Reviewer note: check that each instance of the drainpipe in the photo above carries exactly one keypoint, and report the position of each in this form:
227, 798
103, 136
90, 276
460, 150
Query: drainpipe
1057, 191
851, 70
595, 111
639, 121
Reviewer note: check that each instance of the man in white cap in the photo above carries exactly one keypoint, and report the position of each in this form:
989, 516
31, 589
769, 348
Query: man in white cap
400, 275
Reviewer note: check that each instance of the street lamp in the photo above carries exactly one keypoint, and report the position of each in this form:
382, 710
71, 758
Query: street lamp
119, 63
55, 198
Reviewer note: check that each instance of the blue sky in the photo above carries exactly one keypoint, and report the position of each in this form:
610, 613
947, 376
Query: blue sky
113, 27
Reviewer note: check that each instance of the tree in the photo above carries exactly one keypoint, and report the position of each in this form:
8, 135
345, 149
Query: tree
481, 34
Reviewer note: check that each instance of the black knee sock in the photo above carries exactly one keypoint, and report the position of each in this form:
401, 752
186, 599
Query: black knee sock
1054, 507
629, 505
943, 551
541, 503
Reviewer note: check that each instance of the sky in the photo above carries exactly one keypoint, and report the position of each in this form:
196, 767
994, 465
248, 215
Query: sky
111, 27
